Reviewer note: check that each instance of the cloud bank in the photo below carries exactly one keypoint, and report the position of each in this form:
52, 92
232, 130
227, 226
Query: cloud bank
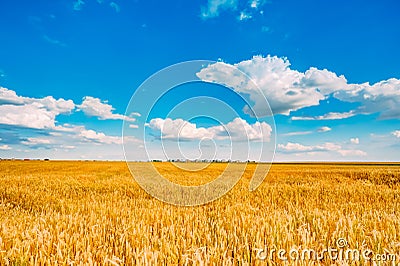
236, 130
95, 107
34, 124
297, 148
39, 113
289, 90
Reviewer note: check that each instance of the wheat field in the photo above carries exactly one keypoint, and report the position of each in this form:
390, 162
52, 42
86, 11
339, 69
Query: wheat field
93, 213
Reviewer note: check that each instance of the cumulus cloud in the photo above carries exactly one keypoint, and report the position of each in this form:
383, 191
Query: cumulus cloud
30, 115
95, 107
324, 129
92, 136
382, 97
39, 113
179, 129
285, 89
396, 133
214, 7
41, 131
238, 130
10, 97
296, 147
323, 80
5, 147
289, 90
89, 135
354, 141
326, 147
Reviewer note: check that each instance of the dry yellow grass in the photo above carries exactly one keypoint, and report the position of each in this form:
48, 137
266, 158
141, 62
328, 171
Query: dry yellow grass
93, 213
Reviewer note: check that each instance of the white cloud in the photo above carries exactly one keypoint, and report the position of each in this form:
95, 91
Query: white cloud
61, 106
323, 80
89, 135
78, 4
136, 114
28, 112
37, 116
354, 141
31, 116
254, 3
214, 7
285, 89
396, 133
37, 141
95, 107
133, 126
290, 90
238, 130
179, 129
67, 147
92, 136
324, 129
298, 133
297, 148
115, 6
294, 147
244, 16
382, 97
352, 153
328, 116
5, 147
10, 97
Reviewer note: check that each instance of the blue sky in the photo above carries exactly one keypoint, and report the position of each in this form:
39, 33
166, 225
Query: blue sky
330, 72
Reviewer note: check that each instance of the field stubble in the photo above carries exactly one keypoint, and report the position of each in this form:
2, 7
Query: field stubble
94, 213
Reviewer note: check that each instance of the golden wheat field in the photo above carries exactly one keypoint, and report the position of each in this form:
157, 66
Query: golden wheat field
93, 213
